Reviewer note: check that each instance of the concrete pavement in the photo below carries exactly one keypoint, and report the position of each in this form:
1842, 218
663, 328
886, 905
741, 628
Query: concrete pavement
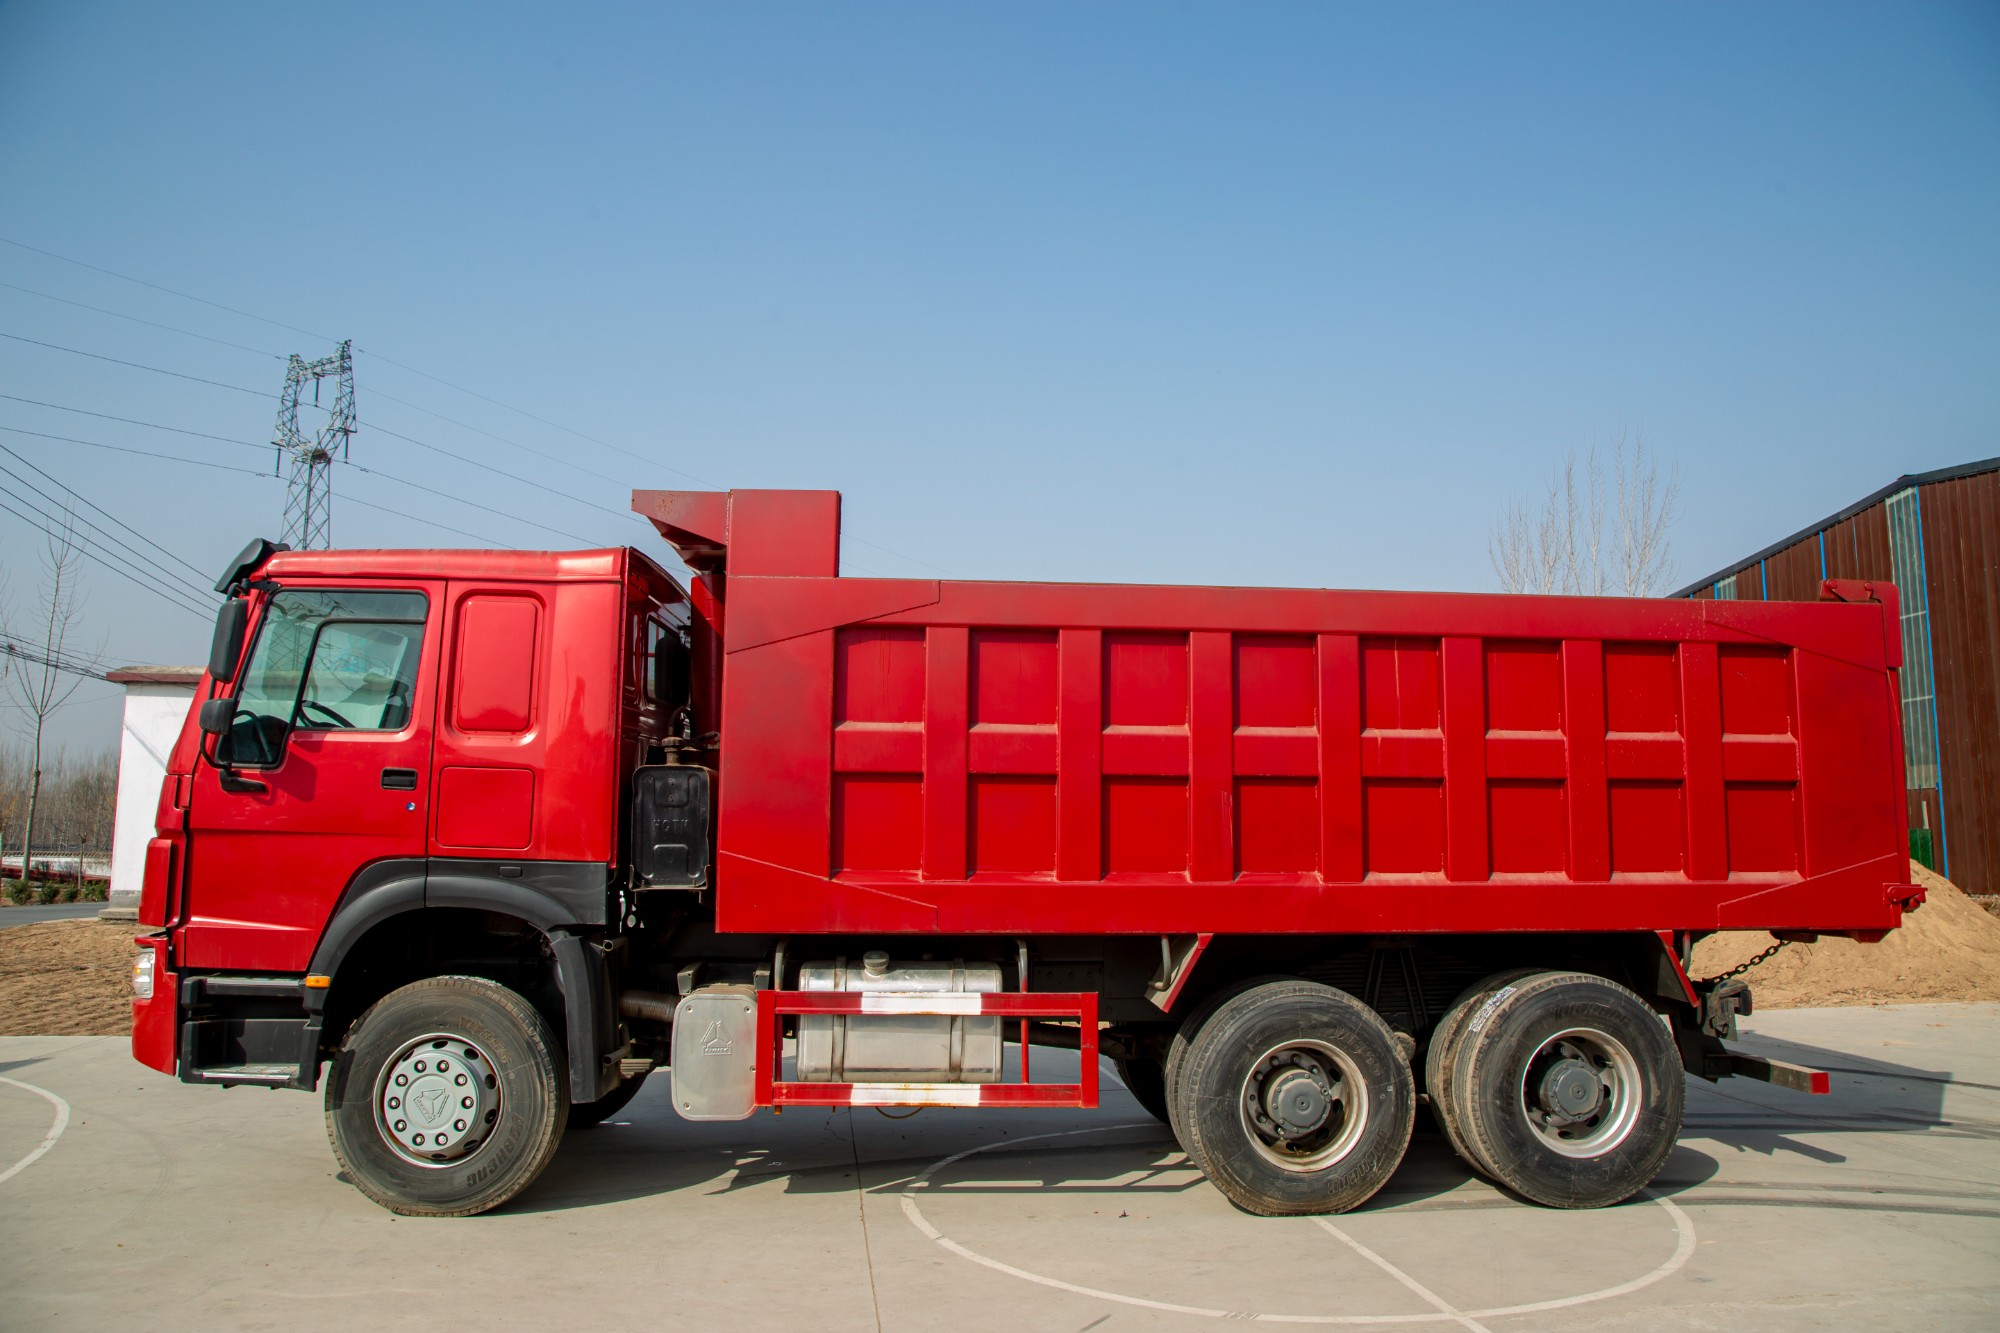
169, 1206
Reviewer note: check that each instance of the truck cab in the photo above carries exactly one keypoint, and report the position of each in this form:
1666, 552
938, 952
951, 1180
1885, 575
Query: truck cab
400, 761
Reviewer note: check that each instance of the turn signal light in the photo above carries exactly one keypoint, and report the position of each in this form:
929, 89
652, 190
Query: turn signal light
142, 975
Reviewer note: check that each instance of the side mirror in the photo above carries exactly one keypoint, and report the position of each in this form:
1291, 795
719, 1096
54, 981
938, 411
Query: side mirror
217, 715
227, 646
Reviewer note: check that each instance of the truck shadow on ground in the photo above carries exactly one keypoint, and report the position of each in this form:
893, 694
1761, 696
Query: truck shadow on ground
1119, 1151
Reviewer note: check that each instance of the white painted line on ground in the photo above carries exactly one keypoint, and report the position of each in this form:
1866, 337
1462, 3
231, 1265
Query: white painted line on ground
1425, 1294
48, 1139
1443, 1311
1683, 1251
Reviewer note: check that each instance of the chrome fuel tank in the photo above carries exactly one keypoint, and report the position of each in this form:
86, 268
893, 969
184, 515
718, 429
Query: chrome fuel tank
899, 1048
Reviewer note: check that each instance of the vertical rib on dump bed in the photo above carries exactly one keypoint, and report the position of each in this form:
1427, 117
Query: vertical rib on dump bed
914, 755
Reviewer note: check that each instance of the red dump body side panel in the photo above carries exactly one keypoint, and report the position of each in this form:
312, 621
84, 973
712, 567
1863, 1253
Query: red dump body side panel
912, 756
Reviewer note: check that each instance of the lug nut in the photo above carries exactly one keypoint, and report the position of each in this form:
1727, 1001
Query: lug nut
458, 1125
459, 1079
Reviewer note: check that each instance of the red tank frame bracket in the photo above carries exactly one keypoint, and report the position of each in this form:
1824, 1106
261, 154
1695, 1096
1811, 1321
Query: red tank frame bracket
773, 1091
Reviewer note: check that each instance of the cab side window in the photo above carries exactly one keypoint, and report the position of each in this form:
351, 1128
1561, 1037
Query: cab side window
327, 661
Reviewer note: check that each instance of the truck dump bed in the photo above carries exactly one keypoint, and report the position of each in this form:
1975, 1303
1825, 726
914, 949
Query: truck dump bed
929, 756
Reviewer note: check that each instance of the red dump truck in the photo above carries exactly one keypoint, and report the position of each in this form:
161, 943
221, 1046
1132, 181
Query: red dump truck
481, 839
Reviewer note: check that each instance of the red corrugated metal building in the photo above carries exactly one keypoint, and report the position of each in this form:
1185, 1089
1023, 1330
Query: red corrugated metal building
1936, 535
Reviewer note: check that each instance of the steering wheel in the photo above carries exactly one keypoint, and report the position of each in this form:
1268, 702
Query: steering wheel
317, 706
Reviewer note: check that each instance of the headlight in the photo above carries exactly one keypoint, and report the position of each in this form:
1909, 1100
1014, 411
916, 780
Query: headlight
142, 975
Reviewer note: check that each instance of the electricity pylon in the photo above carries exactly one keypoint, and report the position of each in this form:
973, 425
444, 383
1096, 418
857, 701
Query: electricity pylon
309, 490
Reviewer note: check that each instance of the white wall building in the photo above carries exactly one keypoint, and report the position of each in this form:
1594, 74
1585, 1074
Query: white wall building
157, 699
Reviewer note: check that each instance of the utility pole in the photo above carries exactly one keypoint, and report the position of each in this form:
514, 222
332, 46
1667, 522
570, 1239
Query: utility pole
309, 490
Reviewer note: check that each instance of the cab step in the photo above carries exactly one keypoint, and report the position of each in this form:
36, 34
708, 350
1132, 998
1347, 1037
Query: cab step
267, 1075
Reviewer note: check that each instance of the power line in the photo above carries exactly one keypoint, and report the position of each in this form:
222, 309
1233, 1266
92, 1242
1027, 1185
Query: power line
436, 379
427, 522
459, 499
148, 574
143, 453
85, 549
82, 544
134, 421
250, 472
152, 324
23, 652
501, 472
616, 449
97, 356
374, 392
185, 296
182, 561
169, 582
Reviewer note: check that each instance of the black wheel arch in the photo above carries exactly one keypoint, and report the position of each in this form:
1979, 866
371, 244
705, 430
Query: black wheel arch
393, 904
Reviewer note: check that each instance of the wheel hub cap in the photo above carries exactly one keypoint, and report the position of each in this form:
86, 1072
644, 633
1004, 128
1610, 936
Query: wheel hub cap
1304, 1105
1572, 1090
437, 1100
1298, 1101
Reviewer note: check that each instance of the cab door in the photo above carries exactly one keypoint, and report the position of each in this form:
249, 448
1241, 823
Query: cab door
331, 757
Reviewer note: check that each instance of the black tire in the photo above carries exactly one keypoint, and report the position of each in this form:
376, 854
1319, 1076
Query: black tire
1146, 1079
1183, 1041
517, 1071
1443, 1045
589, 1115
1312, 1037
1581, 1034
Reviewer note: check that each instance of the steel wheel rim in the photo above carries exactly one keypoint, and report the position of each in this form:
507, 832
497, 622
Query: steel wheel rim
1343, 1086
1562, 1064
437, 1100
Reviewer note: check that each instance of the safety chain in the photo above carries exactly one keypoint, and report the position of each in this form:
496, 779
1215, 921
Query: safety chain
1745, 967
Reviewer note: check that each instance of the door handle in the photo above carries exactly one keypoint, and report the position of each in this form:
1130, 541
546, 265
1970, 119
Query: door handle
399, 779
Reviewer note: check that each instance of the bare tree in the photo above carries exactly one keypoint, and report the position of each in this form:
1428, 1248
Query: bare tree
35, 680
1589, 536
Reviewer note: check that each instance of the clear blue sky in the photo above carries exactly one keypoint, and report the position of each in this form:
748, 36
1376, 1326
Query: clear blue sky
1276, 294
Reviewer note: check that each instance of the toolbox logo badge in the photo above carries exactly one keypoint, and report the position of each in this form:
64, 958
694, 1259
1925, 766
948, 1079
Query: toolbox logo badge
715, 1039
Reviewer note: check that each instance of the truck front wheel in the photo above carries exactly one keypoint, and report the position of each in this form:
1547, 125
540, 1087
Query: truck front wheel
1568, 1090
1295, 1099
448, 1098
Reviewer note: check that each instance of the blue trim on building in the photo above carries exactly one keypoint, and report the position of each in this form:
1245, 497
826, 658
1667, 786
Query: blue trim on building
1930, 651
1763, 582
1822, 555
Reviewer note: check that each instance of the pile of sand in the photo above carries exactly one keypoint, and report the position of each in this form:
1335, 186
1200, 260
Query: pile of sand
1948, 949
66, 978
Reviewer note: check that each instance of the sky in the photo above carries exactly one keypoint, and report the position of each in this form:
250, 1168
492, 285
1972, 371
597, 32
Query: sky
1282, 294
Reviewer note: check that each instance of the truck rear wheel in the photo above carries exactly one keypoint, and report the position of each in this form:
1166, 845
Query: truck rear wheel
1568, 1090
1444, 1045
1183, 1042
448, 1098
1294, 1098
